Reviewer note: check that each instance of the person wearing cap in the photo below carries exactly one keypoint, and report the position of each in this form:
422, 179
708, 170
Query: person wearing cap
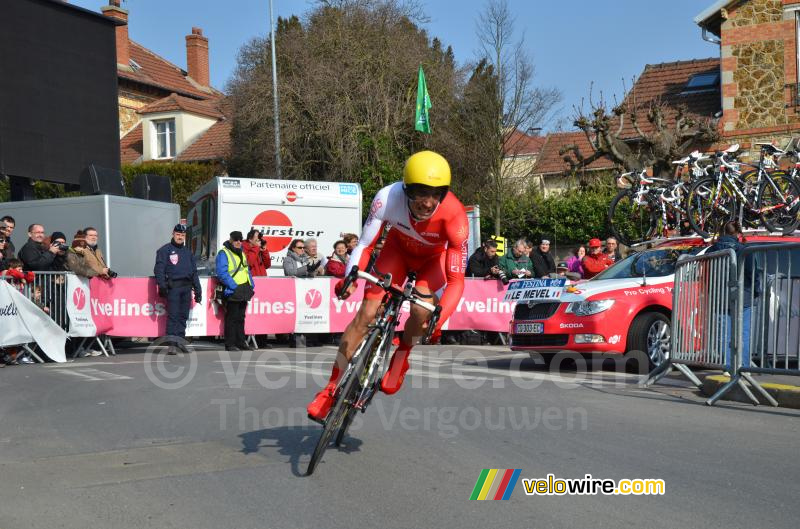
59, 264
595, 261
542, 260
84, 262
234, 274
176, 277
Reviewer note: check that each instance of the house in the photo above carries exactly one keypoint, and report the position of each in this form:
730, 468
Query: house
759, 58
165, 112
692, 85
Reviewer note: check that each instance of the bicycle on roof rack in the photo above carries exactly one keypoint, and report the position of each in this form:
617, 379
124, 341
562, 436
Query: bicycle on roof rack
360, 381
764, 195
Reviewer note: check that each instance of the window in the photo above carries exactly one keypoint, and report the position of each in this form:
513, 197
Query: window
165, 138
703, 81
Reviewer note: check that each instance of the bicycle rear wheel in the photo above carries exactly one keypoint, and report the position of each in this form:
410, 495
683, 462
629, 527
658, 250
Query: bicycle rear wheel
778, 205
707, 211
344, 399
630, 221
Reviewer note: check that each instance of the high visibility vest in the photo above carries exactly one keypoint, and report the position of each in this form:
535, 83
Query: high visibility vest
242, 276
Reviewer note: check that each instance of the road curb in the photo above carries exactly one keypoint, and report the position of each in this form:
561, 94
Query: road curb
788, 396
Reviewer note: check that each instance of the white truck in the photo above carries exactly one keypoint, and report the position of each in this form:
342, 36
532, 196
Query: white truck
283, 209
130, 229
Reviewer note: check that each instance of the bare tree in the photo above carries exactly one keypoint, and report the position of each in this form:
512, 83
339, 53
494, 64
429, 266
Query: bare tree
670, 132
517, 106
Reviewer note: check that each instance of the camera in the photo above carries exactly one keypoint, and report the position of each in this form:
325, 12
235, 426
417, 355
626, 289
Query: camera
503, 277
61, 246
112, 274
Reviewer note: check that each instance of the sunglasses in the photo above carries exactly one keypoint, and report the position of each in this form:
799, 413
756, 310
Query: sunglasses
299, 247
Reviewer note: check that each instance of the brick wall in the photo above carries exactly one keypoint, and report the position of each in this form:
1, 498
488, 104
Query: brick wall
759, 62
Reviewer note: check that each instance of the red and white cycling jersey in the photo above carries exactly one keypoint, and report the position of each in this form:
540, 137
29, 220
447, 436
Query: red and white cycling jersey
436, 248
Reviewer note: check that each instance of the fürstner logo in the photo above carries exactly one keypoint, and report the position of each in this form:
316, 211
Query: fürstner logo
79, 298
313, 298
278, 230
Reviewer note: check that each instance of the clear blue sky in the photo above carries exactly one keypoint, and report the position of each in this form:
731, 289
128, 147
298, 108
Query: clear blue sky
573, 43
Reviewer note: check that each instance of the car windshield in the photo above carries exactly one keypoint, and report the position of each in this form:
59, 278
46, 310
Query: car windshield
650, 263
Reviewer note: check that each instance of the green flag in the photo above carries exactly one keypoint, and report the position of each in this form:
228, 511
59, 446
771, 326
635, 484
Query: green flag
421, 120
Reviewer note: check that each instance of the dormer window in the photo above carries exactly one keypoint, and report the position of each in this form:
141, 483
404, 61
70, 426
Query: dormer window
702, 82
134, 65
165, 138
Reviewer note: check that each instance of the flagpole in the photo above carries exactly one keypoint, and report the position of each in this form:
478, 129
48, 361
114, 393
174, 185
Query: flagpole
278, 171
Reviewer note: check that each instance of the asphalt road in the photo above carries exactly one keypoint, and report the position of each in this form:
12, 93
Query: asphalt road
108, 443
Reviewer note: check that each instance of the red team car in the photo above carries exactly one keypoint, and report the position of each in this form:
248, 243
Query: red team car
624, 310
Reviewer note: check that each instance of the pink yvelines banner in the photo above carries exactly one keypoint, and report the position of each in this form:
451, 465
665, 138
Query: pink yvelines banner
132, 307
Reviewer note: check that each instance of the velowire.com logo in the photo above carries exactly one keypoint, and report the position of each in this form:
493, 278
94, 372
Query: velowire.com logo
495, 484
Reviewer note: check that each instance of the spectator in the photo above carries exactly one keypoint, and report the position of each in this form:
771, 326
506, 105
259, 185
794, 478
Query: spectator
595, 261
376, 252
233, 272
484, 262
351, 240
5, 254
542, 261
19, 278
516, 264
35, 256
258, 258
38, 300
575, 262
176, 277
297, 263
83, 261
7, 225
337, 263
528, 246
60, 261
612, 249
311, 252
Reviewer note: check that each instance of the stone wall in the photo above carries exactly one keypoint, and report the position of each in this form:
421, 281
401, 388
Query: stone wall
752, 12
129, 102
759, 76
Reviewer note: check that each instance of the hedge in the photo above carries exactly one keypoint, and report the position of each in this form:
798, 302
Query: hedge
185, 177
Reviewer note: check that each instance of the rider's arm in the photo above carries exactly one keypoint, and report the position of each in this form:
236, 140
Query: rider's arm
371, 232
455, 264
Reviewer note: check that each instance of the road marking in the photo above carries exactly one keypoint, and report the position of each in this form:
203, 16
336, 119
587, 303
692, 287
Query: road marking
93, 374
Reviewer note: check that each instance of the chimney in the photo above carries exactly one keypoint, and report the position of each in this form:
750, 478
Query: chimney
197, 57
113, 10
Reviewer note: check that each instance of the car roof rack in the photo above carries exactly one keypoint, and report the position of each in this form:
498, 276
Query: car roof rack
644, 245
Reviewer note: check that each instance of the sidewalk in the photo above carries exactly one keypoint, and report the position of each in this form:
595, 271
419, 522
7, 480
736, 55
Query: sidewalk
785, 389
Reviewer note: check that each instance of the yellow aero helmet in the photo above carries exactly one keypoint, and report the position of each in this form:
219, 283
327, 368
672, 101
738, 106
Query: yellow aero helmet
427, 168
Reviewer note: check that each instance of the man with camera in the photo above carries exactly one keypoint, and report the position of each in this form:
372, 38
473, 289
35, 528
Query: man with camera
516, 264
35, 256
176, 277
485, 263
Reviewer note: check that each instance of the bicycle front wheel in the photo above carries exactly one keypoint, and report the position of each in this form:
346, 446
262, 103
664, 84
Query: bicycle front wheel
778, 203
631, 219
345, 398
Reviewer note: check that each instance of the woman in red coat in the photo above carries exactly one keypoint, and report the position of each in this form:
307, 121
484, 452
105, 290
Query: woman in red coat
257, 254
337, 262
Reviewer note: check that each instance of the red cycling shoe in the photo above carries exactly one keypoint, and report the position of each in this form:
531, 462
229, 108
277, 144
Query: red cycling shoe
319, 407
393, 379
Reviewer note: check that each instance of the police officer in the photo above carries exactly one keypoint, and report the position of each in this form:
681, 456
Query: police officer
176, 277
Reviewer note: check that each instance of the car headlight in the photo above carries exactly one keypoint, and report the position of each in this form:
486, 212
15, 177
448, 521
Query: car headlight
587, 308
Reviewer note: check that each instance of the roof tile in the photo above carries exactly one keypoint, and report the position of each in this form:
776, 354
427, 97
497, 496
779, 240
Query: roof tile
214, 144
173, 101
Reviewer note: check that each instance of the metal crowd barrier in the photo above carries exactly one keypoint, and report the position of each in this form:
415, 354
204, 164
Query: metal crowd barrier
739, 314
767, 338
700, 324
49, 290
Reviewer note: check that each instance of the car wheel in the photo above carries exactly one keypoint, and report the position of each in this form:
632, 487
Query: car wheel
649, 339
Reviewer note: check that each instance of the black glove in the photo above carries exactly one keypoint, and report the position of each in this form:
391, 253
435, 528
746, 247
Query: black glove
198, 297
163, 291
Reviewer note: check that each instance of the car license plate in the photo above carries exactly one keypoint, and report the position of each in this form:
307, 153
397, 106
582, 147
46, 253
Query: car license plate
530, 328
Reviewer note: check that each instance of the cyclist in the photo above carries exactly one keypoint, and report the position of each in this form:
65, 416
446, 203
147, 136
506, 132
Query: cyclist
428, 235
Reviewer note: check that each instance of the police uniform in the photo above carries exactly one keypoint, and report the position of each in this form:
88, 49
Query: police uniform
176, 277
